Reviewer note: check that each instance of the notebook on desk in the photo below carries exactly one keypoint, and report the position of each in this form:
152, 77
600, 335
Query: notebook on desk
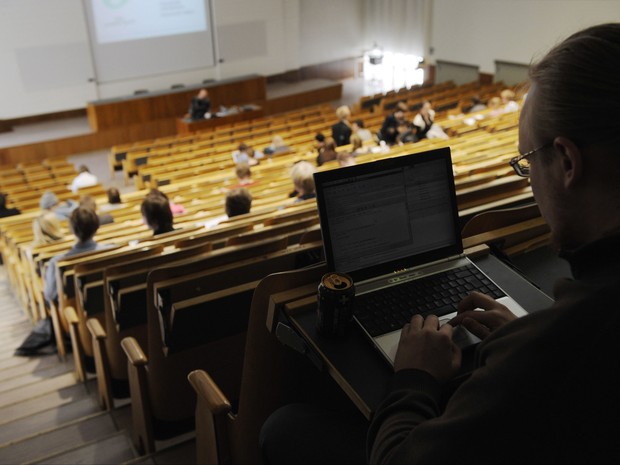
393, 226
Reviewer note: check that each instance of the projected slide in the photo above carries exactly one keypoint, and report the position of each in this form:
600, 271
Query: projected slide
134, 38
125, 20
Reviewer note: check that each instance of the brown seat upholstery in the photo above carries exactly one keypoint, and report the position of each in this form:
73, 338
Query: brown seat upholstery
66, 291
105, 330
272, 376
88, 284
126, 310
508, 231
185, 305
294, 229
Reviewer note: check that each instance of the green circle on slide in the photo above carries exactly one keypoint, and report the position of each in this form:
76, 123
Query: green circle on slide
115, 3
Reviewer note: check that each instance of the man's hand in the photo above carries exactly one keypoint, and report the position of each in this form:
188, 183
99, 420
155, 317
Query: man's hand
426, 346
481, 323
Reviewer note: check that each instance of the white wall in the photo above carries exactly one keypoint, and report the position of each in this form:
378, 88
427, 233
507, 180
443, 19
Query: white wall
47, 64
477, 32
45, 61
330, 30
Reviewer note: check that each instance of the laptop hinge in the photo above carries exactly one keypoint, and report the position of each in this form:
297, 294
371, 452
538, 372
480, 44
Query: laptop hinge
410, 274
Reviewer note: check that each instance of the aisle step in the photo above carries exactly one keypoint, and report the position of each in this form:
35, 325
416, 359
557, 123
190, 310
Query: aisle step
61, 439
49, 400
19, 379
115, 448
47, 420
20, 394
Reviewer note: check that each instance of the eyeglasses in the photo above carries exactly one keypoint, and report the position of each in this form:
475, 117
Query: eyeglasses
521, 164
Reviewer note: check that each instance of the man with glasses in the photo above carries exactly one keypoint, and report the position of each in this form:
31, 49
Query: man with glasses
545, 388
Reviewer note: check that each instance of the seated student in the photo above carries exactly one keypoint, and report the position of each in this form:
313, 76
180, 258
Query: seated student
328, 153
237, 202
425, 123
88, 201
345, 159
477, 104
389, 128
424, 119
507, 97
47, 226
302, 175
361, 131
244, 175
156, 213
83, 225
277, 146
319, 143
495, 106
341, 131
407, 133
247, 154
357, 146
176, 208
84, 179
4, 211
49, 202
114, 200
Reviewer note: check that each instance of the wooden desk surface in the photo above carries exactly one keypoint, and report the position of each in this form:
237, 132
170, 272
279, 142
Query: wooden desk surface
357, 366
186, 126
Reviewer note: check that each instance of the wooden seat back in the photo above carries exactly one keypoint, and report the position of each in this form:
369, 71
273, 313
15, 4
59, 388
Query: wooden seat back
272, 376
293, 229
87, 279
508, 231
125, 298
196, 319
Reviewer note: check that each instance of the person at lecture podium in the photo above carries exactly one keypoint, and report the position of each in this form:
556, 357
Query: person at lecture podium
200, 106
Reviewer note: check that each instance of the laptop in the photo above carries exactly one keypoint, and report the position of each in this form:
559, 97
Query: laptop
394, 222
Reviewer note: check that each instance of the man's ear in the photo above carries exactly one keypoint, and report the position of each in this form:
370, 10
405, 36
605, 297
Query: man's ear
571, 160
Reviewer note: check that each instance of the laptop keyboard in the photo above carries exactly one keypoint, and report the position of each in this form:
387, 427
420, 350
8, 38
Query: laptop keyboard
388, 309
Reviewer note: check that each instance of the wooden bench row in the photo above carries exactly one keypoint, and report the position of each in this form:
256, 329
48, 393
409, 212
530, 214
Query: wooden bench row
260, 131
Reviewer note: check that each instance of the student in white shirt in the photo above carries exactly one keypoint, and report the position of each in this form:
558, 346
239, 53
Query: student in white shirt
84, 179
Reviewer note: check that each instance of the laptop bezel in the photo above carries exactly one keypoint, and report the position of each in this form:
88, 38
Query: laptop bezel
404, 263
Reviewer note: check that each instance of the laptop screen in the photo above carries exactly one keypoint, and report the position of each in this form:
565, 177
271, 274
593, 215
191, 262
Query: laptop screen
389, 215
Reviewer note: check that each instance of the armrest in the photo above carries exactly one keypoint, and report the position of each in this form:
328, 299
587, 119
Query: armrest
209, 391
142, 424
95, 328
104, 383
70, 315
213, 413
134, 352
78, 351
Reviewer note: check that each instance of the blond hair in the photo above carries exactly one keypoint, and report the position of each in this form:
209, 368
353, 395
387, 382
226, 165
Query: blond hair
302, 175
343, 112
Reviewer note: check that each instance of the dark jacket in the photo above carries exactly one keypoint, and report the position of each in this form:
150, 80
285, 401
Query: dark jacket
545, 389
4, 212
389, 129
341, 132
199, 107
325, 156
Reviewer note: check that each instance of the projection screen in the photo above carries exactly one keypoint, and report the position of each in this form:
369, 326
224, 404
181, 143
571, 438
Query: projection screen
135, 38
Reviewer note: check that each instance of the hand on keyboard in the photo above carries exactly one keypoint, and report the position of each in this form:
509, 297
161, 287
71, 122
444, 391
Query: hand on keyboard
481, 314
424, 345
